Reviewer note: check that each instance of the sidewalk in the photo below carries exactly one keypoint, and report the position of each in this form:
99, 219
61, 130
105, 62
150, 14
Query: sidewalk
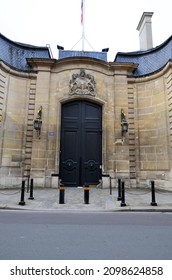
99, 200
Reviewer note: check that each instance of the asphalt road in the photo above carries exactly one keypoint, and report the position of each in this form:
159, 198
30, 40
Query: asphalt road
85, 236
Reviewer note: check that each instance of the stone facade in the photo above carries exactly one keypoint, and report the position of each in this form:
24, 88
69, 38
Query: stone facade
143, 154
152, 126
53, 89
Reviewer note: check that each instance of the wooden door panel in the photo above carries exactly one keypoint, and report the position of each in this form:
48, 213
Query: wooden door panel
81, 143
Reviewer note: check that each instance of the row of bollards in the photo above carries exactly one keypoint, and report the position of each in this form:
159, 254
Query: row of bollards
121, 193
62, 194
22, 201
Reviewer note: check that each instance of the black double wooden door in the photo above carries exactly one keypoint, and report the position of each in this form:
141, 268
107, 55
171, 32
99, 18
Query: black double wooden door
81, 143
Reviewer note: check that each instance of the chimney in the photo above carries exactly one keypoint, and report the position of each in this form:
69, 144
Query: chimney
145, 31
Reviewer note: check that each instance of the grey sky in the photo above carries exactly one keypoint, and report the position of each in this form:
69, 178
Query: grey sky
109, 23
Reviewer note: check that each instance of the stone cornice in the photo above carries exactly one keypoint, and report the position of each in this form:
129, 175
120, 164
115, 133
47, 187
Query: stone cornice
14, 72
41, 63
110, 68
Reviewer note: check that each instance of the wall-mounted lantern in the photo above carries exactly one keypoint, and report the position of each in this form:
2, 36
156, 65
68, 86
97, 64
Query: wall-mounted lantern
38, 122
124, 124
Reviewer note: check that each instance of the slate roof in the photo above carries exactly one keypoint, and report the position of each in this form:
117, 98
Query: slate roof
149, 61
15, 54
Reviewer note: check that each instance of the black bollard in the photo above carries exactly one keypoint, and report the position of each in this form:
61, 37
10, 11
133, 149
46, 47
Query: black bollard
153, 203
119, 190
61, 194
110, 185
28, 183
123, 194
31, 189
86, 194
22, 202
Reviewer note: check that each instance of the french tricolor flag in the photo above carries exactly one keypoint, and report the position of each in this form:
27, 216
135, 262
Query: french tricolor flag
82, 11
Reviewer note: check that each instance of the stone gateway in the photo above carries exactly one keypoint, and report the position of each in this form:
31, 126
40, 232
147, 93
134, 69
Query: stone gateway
78, 137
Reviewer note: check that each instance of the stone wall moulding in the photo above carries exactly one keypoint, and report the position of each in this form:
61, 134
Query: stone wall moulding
82, 84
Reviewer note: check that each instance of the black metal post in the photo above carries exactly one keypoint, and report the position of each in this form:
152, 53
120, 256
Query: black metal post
28, 182
31, 189
86, 194
119, 190
123, 194
153, 203
110, 185
61, 194
22, 202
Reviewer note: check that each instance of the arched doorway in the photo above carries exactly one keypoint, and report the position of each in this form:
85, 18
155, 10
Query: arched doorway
81, 143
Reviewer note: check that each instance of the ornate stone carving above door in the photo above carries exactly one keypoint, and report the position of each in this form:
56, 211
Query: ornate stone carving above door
82, 84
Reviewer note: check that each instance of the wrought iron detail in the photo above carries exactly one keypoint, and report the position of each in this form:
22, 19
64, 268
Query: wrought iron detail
70, 164
91, 165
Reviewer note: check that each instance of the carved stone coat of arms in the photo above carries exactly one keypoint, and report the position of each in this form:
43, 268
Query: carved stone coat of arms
82, 84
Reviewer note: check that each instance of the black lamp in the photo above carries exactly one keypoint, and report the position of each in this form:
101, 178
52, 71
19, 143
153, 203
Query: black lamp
37, 124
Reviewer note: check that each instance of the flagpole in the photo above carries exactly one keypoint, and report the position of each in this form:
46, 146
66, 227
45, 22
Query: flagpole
83, 22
